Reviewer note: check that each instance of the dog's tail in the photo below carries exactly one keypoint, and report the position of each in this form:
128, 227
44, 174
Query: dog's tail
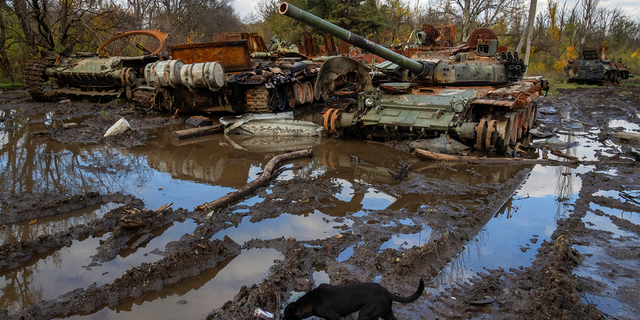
412, 297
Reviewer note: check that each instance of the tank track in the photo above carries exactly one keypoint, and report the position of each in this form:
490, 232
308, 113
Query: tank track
34, 79
258, 100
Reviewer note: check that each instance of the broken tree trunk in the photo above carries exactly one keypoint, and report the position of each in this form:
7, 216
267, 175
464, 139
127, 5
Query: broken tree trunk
196, 132
264, 177
484, 160
424, 154
628, 136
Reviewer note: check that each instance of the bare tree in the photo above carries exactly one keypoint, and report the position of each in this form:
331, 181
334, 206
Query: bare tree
471, 10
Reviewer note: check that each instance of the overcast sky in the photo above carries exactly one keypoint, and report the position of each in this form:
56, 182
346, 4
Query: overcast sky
631, 7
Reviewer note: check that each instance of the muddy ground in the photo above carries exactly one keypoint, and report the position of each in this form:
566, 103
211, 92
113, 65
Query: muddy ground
558, 284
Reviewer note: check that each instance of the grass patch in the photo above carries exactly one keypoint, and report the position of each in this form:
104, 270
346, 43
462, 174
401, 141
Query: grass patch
11, 86
555, 84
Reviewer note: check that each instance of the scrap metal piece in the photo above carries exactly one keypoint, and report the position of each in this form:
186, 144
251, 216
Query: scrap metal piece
280, 124
160, 36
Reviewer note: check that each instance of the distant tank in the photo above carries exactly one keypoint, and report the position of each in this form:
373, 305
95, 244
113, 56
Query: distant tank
594, 68
89, 74
478, 96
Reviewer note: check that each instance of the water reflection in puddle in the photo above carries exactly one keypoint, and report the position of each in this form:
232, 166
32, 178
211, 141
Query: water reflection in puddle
628, 126
26, 230
52, 274
407, 241
316, 225
512, 237
195, 297
48, 275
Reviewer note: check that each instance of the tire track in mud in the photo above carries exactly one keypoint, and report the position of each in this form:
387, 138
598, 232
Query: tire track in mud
14, 254
187, 257
549, 288
31, 206
193, 257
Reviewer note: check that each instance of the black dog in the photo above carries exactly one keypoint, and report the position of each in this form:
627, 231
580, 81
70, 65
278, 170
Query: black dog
333, 302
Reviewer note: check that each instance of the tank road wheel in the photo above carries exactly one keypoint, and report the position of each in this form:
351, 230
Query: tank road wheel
299, 93
490, 136
519, 122
291, 95
481, 133
280, 98
504, 134
258, 100
514, 127
34, 80
534, 114
308, 92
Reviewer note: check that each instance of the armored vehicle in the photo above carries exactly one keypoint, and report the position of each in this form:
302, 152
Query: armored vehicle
595, 69
238, 75
479, 96
89, 74
229, 76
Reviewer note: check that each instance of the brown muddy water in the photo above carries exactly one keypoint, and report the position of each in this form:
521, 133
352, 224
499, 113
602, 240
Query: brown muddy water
192, 172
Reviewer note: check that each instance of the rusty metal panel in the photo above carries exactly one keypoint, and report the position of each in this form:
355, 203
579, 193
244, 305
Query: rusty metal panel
309, 46
330, 45
447, 36
343, 47
256, 43
234, 55
229, 36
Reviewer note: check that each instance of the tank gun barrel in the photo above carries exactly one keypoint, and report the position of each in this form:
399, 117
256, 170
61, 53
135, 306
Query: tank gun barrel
296, 13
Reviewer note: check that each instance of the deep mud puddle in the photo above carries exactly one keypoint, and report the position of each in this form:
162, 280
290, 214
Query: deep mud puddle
48, 275
195, 297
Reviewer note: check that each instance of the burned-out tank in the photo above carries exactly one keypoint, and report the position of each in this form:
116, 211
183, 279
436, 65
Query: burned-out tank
239, 75
594, 68
89, 74
479, 97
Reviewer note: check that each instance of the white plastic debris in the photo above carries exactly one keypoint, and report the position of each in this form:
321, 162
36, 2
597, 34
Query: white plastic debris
119, 127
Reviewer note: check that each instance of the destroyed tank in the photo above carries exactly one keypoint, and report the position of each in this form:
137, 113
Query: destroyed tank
594, 68
478, 97
89, 74
239, 75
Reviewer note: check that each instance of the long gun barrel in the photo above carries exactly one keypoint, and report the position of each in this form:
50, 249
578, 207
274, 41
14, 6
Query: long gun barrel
354, 39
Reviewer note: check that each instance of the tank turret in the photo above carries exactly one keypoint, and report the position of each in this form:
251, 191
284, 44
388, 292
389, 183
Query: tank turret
500, 69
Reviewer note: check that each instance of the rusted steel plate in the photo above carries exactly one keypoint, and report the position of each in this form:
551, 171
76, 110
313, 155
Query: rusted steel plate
493, 102
234, 55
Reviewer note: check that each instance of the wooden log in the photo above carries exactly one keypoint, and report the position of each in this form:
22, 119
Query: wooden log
629, 136
424, 154
483, 160
264, 177
196, 132
163, 207
557, 153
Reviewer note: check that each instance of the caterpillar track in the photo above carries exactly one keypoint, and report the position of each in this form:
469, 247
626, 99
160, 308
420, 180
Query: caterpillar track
34, 80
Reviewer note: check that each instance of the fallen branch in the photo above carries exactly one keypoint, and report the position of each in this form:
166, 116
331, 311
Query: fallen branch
424, 154
163, 207
557, 153
628, 136
483, 160
266, 175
